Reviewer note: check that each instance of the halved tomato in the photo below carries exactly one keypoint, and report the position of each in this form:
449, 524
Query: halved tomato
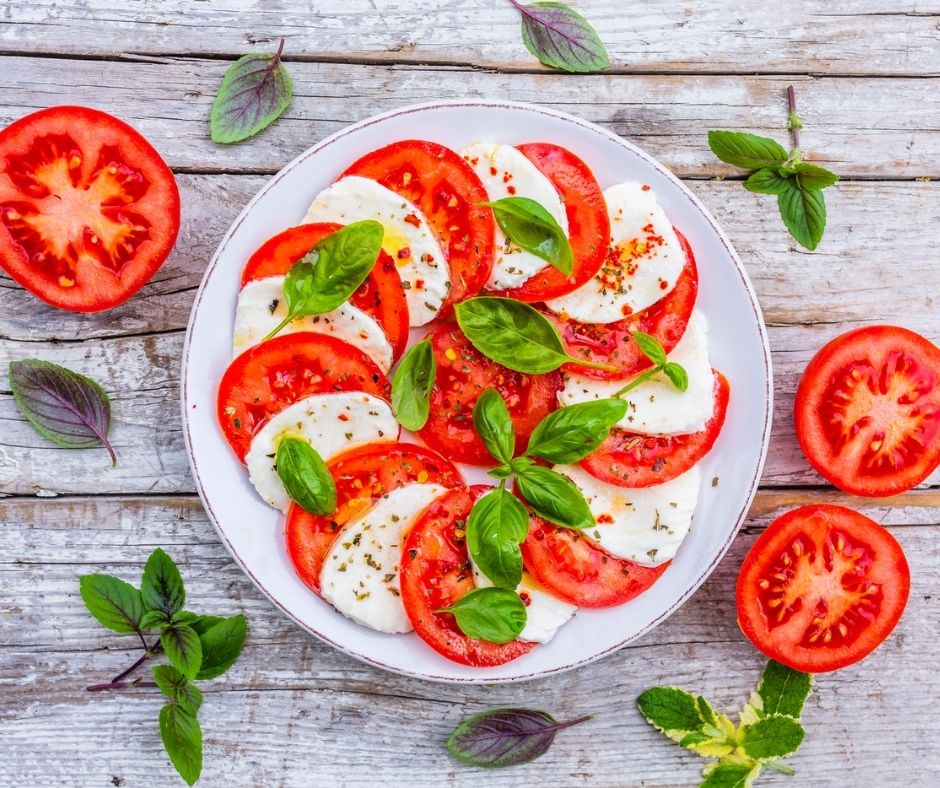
362, 476
435, 573
268, 377
868, 410
88, 209
381, 295
821, 588
449, 194
573, 569
463, 373
613, 343
588, 222
631, 460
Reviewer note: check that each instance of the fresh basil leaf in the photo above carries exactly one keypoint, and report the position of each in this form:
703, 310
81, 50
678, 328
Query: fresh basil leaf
570, 434
494, 425
503, 471
527, 224
221, 646
69, 409
154, 618
493, 614
162, 586
729, 775
412, 384
554, 497
497, 524
677, 375
183, 648
772, 737
203, 624
182, 739
561, 38
812, 176
748, 151
783, 690
804, 213
114, 603
305, 476
176, 687
520, 465
650, 347
671, 711
505, 737
183, 617
254, 93
769, 180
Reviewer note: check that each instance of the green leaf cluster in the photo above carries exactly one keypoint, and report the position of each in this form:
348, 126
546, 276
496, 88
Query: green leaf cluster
656, 353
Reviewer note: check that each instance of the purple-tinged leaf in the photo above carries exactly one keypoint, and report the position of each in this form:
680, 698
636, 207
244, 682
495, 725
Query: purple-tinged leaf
561, 38
65, 407
254, 93
505, 737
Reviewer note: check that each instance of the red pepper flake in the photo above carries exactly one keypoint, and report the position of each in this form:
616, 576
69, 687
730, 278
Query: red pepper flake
493, 170
404, 252
663, 284
511, 189
605, 519
419, 284
645, 187
343, 417
412, 219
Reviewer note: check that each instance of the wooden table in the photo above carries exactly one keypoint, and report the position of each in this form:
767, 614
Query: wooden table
294, 711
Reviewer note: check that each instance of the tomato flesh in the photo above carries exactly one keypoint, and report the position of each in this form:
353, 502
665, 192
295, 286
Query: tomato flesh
821, 588
435, 573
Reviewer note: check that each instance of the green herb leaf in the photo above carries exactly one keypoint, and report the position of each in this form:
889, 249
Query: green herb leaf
254, 93
729, 775
554, 497
114, 603
813, 176
412, 384
772, 737
527, 224
162, 586
804, 213
769, 180
570, 434
183, 648
176, 687
203, 624
497, 524
651, 348
746, 150
519, 465
671, 710
221, 646
305, 476
494, 425
561, 38
782, 690
154, 618
677, 375
503, 471
493, 614
182, 739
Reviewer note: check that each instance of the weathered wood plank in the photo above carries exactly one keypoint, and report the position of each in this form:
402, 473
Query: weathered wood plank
896, 135
801, 36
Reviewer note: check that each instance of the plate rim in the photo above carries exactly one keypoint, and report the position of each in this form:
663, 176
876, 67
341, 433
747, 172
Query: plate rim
754, 303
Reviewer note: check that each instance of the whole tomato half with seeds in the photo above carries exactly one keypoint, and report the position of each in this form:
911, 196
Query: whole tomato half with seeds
88, 209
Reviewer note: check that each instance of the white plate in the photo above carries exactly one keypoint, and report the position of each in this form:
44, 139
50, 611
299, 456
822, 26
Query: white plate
737, 344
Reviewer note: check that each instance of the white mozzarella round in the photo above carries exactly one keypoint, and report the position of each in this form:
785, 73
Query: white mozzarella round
643, 265
360, 574
331, 423
408, 240
505, 172
261, 308
645, 525
656, 406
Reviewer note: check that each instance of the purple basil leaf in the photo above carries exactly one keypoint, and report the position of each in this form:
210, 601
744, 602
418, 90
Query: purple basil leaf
63, 406
561, 38
505, 737
254, 93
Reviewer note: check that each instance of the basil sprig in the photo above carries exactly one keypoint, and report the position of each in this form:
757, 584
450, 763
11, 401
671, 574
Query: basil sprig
497, 525
412, 384
526, 223
493, 614
515, 335
305, 476
324, 278
656, 353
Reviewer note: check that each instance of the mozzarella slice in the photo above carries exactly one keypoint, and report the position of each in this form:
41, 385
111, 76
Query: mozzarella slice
360, 575
657, 407
408, 238
331, 423
505, 172
261, 308
645, 525
643, 265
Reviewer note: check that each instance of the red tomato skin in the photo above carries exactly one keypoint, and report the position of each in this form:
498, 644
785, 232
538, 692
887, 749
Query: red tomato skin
96, 287
888, 567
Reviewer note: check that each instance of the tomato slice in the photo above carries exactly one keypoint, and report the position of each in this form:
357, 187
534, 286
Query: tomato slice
588, 222
463, 373
627, 459
868, 410
88, 209
573, 569
435, 573
449, 194
821, 588
362, 476
612, 343
268, 377
381, 295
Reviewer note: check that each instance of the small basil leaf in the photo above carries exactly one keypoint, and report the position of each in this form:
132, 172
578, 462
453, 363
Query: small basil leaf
494, 425
493, 614
154, 618
503, 471
650, 347
746, 150
677, 375
114, 603
554, 497
570, 434
162, 586
561, 38
497, 524
412, 384
305, 476
804, 213
812, 176
182, 739
221, 646
182, 647
176, 687
527, 224
769, 180
520, 464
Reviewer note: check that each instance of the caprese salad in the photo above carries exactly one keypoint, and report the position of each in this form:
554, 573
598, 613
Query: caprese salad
442, 315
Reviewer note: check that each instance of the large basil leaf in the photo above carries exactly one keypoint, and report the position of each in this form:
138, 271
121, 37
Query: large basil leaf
526, 223
570, 434
493, 614
561, 38
554, 497
305, 476
497, 524
412, 384
494, 425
